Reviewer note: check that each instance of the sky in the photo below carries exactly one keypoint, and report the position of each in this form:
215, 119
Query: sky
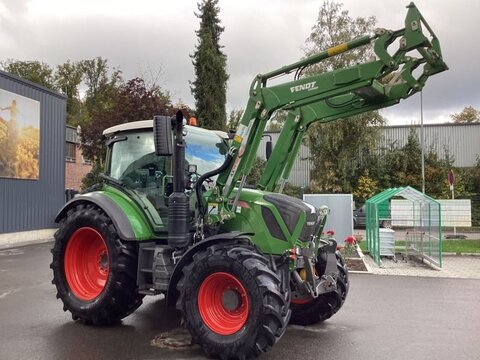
151, 37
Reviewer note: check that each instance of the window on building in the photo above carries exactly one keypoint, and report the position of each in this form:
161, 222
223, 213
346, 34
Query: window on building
71, 152
86, 161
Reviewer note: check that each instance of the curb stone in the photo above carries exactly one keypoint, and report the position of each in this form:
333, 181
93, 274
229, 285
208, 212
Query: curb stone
24, 238
369, 270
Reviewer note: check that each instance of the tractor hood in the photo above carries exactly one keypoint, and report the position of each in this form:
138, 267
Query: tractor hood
279, 222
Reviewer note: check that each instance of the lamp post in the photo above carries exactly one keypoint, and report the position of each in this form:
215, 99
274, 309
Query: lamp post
451, 181
421, 142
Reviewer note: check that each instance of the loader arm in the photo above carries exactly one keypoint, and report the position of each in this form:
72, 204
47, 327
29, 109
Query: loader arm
326, 97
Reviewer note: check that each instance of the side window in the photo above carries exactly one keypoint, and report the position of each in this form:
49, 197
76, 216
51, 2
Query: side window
134, 163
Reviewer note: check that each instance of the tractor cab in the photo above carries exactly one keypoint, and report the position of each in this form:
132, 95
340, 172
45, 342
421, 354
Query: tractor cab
132, 163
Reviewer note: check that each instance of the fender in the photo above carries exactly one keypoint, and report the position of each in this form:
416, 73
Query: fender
223, 239
114, 212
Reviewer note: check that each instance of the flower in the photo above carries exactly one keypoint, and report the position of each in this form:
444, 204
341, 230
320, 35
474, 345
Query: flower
350, 240
330, 232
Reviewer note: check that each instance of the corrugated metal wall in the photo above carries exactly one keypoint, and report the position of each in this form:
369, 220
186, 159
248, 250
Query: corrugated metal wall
300, 174
461, 140
32, 204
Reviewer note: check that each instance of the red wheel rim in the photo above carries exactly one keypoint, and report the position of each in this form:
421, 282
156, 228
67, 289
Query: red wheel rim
301, 301
86, 263
223, 303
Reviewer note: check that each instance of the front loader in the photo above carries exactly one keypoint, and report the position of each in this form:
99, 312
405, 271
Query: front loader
173, 215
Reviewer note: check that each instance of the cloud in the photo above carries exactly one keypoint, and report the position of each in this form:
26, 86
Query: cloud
258, 37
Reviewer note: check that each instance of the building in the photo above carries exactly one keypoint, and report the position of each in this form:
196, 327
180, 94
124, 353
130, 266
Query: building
32, 154
462, 141
76, 166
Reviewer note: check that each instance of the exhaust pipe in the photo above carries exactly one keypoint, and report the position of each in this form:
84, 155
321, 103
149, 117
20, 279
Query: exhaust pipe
178, 202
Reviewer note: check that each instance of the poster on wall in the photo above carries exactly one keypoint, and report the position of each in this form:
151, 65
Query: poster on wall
19, 136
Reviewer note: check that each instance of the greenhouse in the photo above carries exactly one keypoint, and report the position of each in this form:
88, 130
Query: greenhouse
420, 216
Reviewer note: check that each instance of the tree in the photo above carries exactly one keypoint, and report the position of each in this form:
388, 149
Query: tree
68, 77
403, 165
475, 176
257, 170
137, 101
366, 188
335, 26
275, 123
133, 101
468, 115
34, 71
234, 119
436, 171
210, 85
339, 149
101, 97
102, 84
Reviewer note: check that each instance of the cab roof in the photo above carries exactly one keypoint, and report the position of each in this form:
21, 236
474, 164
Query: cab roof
148, 124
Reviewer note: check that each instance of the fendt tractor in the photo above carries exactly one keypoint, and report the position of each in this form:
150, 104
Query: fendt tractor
174, 215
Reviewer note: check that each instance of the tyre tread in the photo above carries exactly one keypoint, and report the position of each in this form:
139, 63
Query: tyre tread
275, 311
120, 298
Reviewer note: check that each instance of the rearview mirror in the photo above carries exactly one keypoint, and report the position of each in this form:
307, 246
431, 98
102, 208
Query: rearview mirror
162, 135
268, 149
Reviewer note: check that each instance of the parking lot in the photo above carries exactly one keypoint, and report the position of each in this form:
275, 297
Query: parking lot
392, 317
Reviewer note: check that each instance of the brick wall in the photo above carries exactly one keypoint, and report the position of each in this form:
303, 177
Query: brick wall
75, 171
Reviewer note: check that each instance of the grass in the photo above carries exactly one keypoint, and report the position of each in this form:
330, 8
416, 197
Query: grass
461, 246
451, 246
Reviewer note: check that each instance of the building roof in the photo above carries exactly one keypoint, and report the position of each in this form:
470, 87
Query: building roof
32, 84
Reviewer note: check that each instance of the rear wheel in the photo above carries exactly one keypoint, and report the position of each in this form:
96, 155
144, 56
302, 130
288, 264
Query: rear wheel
232, 302
308, 311
93, 270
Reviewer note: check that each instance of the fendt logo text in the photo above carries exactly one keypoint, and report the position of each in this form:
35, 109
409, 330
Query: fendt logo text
308, 86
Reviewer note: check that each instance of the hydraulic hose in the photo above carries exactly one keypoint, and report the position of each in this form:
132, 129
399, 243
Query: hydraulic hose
201, 179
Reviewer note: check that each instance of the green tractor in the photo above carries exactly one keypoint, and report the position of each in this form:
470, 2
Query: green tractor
174, 216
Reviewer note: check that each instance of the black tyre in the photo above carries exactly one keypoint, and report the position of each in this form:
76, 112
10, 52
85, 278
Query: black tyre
93, 270
232, 302
311, 311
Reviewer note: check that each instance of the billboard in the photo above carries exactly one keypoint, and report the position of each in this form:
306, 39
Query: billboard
19, 136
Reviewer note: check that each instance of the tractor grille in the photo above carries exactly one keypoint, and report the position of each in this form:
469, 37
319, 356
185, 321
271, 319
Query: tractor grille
310, 226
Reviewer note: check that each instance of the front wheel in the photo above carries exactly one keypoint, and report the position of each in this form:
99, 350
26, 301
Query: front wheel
309, 311
232, 302
93, 270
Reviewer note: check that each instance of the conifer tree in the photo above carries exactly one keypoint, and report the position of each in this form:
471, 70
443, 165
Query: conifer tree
210, 85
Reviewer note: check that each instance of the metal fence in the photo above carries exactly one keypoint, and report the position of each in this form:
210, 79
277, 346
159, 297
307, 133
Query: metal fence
423, 240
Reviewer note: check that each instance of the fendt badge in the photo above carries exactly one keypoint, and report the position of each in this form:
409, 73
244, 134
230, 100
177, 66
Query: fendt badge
308, 86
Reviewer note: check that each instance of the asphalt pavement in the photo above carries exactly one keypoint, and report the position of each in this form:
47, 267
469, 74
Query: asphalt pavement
384, 317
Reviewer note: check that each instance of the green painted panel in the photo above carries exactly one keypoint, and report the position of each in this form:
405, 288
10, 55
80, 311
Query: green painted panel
136, 217
249, 218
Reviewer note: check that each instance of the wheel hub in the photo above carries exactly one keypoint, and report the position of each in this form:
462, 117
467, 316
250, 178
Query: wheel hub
231, 299
103, 261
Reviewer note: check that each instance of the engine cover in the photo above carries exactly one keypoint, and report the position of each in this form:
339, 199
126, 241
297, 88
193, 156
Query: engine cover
290, 209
